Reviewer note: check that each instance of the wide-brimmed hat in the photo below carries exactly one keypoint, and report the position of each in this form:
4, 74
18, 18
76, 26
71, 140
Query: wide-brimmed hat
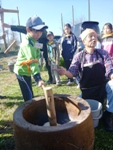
36, 23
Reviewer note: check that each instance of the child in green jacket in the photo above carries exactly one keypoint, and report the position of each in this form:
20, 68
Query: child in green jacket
28, 56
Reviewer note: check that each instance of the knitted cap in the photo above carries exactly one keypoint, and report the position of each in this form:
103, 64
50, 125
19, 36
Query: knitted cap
86, 32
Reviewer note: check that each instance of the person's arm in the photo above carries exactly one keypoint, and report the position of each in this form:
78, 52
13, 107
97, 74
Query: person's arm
108, 64
73, 70
21, 29
62, 71
18, 28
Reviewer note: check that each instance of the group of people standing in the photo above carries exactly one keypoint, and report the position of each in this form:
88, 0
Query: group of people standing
92, 67
27, 63
68, 47
51, 50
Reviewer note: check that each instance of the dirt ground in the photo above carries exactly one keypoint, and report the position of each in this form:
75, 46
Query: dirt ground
9, 55
6, 59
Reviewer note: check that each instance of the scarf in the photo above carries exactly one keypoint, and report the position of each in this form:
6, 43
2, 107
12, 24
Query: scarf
50, 42
67, 35
107, 35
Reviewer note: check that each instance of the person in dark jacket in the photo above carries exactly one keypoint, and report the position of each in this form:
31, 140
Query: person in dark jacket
68, 48
43, 39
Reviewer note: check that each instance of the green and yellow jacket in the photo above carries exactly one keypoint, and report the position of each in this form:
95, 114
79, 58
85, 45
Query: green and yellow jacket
28, 56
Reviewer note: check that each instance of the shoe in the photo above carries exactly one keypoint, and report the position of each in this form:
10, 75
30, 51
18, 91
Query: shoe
69, 83
53, 82
58, 84
108, 121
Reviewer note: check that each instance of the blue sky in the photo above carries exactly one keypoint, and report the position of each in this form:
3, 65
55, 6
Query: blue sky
50, 11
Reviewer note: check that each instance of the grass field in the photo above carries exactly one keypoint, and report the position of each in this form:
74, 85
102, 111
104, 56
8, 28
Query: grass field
9, 87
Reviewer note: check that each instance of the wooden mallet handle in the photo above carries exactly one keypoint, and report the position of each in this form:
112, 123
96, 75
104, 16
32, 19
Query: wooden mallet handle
50, 105
10, 46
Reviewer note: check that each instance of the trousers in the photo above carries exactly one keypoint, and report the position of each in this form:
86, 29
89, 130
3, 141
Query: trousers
26, 87
55, 75
109, 92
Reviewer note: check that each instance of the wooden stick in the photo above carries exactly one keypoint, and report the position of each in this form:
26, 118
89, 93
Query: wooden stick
10, 46
50, 105
2, 10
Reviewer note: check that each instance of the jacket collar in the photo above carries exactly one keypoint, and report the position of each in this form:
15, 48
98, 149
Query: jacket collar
107, 35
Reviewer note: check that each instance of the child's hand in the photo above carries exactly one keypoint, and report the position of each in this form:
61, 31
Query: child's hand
41, 83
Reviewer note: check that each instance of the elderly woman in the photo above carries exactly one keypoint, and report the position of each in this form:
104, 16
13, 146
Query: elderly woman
92, 67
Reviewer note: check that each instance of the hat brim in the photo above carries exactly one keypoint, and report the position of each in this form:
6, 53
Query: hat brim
39, 27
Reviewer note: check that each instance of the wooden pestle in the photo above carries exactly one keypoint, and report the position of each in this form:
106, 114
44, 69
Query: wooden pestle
50, 105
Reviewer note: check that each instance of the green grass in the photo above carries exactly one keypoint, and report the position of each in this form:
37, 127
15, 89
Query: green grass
9, 87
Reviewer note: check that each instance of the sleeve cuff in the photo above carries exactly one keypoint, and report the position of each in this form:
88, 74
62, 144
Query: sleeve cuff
37, 77
109, 74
